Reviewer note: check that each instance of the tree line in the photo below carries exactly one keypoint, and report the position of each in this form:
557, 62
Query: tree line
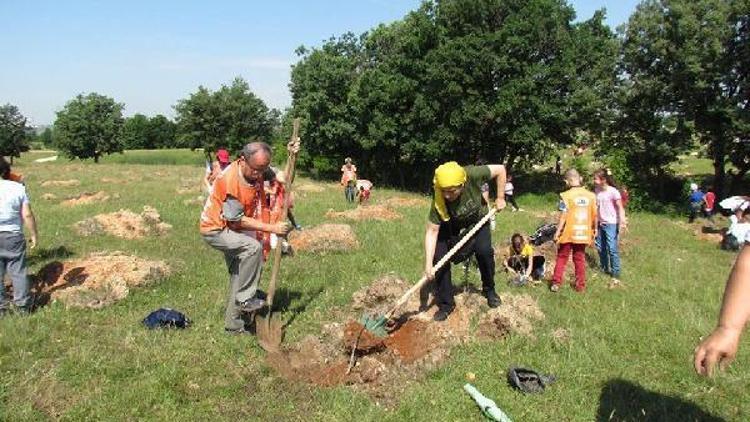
500, 80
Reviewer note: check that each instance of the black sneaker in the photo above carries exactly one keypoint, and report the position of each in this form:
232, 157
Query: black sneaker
260, 294
493, 301
251, 305
442, 313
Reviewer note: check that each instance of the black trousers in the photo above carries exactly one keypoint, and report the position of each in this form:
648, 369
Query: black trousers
511, 200
482, 250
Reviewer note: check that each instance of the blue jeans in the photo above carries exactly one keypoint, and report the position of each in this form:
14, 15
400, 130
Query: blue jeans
606, 244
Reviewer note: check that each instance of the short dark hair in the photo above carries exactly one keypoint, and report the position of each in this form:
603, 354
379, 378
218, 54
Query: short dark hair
254, 147
4, 168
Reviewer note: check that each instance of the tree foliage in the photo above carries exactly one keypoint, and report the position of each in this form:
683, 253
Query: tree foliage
89, 126
13, 140
684, 81
457, 79
227, 118
141, 132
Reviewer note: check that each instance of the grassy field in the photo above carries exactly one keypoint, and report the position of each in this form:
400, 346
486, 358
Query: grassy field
628, 356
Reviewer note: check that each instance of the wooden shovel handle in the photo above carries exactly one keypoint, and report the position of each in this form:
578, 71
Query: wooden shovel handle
442, 262
290, 163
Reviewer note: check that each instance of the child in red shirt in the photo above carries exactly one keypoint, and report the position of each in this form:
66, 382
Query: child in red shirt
709, 201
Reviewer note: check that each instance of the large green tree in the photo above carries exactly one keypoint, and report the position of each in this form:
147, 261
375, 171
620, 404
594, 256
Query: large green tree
227, 118
89, 126
162, 132
135, 133
13, 140
501, 80
684, 68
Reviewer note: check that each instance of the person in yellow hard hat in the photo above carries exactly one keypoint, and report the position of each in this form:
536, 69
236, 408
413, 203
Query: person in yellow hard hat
457, 206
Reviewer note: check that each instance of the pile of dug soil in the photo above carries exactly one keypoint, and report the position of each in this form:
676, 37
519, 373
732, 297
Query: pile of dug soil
414, 345
60, 183
125, 224
366, 212
49, 196
398, 201
86, 198
325, 238
96, 281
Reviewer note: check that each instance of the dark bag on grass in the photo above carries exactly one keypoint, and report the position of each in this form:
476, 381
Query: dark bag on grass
730, 243
543, 234
528, 381
166, 318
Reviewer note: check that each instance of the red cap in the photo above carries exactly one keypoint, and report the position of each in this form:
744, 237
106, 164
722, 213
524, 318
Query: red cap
223, 156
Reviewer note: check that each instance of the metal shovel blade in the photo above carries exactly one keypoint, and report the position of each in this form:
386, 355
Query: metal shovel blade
270, 332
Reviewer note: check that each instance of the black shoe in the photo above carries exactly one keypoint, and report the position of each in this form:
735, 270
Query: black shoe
251, 305
442, 313
260, 294
493, 301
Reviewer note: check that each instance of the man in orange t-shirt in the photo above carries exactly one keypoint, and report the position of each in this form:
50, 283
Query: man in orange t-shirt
575, 230
231, 222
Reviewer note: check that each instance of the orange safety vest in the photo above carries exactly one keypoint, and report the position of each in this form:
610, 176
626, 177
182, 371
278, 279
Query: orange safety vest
228, 183
580, 205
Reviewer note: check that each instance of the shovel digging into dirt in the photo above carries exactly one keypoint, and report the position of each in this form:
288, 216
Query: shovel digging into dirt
372, 327
270, 328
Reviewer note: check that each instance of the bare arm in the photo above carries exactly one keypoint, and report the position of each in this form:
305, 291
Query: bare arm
30, 222
430, 242
721, 346
497, 172
247, 223
621, 212
560, 225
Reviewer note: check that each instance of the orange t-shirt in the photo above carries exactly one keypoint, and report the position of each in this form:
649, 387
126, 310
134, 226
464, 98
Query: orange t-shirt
579, 204
231, 182
348, 173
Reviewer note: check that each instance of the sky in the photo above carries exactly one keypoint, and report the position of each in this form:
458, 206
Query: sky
150, 54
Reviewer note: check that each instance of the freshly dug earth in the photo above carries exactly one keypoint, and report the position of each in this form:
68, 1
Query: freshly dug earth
125, 224
49, 196
98, 280
366, 212
325, 238
398, 201
61, 183
86, 198
415, 345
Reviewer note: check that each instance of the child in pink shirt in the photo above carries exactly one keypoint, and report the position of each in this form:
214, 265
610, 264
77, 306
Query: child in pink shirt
612, 219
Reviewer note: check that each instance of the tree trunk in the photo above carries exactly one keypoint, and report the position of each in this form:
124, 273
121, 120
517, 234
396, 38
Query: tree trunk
11, 160
96, 158
719, 159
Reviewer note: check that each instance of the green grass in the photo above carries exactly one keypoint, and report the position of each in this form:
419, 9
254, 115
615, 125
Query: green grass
630, 349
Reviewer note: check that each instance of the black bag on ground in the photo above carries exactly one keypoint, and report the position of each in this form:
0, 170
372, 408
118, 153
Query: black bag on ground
166, 318
730, 243
543, 234
528, 381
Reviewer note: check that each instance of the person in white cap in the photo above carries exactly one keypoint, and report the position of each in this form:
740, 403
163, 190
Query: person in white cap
696, 201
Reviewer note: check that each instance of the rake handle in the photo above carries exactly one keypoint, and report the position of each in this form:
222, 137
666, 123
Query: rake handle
442, 262
290, 163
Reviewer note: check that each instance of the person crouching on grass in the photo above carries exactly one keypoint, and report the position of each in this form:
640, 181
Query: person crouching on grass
576, 228
457, 206
521, 262
231, 221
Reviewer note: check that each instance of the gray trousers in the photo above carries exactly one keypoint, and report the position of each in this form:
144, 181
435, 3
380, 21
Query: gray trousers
13, 262
244, 257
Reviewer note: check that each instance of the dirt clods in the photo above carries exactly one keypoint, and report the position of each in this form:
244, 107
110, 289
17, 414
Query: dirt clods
60, 183
325, 238
86, 198
125, 224
49, 196
98, 280
366, 212
414, 345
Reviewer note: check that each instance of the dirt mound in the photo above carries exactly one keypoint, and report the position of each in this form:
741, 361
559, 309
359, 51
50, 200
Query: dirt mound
414, 345
98, 280
309, 187
398, 201
49, 196
516, 315
325, 238
86, 198
125, 224
366, 212
60, 183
